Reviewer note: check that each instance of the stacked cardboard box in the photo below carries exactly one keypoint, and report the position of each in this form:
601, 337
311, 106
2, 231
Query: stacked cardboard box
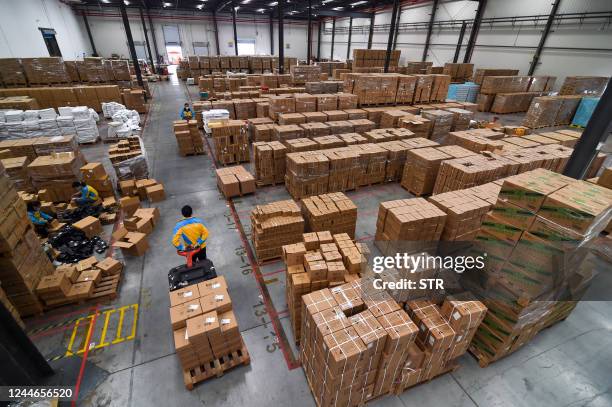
548, 111
419, 125
95, 175
17, 170
301, 144
269, 158
408, 224
583, 85
281, 104
12, 74
274, 225
22, 261
305, 73
231, 142
374, 57
55, 174
307, 174
441, 121
465, 212
423, 164
10, 307
334, 212
205, 329
188, 137
319, 261
235, 181
461, 173
458, 72
479, 74
537, 256
513, 102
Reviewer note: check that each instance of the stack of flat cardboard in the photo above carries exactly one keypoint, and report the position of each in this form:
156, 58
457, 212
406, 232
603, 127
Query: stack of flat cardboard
274, 225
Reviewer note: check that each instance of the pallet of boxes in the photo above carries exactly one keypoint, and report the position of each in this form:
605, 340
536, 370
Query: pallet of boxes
274, 225
188, 137
535, 235
231, 142
235, 181
357, 343
206, 335
128, 159
23, 263
321, 260
88, 280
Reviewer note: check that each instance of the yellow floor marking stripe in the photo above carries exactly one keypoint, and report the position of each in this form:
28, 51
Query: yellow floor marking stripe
73, 336
104, 330
88, 336
134, 323
118, 338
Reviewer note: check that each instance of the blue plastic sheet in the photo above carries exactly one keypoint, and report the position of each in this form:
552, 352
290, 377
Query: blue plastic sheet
585, 111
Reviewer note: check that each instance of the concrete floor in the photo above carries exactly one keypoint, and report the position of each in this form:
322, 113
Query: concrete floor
134, 364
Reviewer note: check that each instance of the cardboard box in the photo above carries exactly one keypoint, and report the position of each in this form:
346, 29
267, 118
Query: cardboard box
129, 204
109, 266
130, 243
155, 193
90, 275
90, 226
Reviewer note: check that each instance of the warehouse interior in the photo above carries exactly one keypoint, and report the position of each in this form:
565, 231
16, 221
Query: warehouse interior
417, 121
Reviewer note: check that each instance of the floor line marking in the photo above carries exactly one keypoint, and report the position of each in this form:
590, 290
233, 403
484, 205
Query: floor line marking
104, 330
134, 323
118, 337
77, 387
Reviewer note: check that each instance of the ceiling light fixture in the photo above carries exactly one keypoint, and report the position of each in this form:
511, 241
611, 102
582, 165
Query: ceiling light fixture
274, 3
199, 6
357, 3
338, 8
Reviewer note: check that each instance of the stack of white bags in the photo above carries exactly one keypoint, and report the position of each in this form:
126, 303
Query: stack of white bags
79, 121
124, 123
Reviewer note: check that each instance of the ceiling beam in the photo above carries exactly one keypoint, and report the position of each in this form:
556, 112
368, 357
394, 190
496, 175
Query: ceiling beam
334, 13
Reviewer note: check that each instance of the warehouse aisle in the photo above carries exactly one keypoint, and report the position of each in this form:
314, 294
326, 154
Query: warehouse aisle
565, 365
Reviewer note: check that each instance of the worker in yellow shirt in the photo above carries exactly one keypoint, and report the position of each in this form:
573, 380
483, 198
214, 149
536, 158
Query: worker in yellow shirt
186, 113
190, 232
86, 194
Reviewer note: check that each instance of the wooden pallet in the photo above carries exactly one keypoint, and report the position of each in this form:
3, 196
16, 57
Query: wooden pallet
399, 390
107, 289
216, 367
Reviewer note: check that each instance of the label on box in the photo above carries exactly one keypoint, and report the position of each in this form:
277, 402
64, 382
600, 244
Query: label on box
186, 336
193, 307
456, 315
215, 285
226, 321
187, 294
431, 340
459, 338
422, 327
219, 297
210, 320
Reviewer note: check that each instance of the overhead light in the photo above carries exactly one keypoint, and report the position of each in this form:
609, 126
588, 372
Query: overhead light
274, 3
200, 6
326, 1
126, 2
106, 1
236, 8
167, 4
245, 1
261, 10
357, 3
338, 8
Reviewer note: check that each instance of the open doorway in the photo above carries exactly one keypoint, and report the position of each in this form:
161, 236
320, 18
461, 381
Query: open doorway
246, 46
48, 35
172, 39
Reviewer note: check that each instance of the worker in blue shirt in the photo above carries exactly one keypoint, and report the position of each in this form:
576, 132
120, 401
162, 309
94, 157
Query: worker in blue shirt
186, 112
190, 233
39, 219
86, 194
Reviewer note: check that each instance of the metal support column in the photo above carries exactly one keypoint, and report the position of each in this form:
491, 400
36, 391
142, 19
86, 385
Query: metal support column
235, 30
396, 33
434, 7
396, 4
271, 35
281, 39
22, 363
596, 132
460, 42
331, 57
128, 34
308, 51
475, 28
153, 37
214, 15
549, 23
319, 40
371, 31
91, 41
146, 35
348, 48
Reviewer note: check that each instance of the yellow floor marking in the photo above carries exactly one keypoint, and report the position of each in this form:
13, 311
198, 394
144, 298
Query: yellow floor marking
134, 323
73, 336
119, 338
104, 330
89, 334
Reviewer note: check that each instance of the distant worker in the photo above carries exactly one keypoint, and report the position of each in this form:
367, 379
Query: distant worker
190, 233
39, 219
86, 195
186, 112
